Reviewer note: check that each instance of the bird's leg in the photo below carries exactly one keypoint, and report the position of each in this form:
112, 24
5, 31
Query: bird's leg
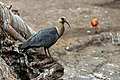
49, 53
95, 29
45, 52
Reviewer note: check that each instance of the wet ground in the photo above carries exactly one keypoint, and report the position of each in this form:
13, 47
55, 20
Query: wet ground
92, 62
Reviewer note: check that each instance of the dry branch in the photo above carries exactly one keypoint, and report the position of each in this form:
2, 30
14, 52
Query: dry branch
10, 30
26, 65
6, 16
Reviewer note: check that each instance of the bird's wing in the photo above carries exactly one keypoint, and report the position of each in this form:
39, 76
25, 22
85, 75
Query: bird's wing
42, 38
27, 42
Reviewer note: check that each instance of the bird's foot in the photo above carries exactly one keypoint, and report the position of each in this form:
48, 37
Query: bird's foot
46, 56
96, 32
51, 59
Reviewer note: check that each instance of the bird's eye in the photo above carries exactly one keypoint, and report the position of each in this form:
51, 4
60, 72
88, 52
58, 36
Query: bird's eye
62, 19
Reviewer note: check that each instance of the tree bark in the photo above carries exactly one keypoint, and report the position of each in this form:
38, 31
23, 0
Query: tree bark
31, 65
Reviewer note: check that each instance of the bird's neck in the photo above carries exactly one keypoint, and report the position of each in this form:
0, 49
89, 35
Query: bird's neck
60, 28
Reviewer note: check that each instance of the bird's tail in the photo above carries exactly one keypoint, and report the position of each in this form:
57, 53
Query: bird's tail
23, 47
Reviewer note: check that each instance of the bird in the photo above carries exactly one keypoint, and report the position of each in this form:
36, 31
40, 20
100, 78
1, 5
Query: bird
46, 37
94, 23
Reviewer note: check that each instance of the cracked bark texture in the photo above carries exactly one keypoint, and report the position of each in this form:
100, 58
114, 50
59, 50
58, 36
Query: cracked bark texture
31, 65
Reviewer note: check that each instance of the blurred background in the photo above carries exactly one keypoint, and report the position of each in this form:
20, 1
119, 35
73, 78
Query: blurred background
89, 63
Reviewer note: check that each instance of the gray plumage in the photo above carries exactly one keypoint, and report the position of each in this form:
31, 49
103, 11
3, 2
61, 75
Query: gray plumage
46, 37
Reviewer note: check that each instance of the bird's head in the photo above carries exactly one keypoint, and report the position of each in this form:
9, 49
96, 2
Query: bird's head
63, 20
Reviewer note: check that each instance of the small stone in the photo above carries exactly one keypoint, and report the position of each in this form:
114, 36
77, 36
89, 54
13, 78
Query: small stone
88, 31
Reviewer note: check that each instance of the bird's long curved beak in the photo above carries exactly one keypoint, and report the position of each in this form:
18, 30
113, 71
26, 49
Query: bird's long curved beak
67, 23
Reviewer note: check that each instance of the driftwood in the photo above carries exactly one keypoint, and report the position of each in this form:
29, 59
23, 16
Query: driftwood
5, 71
31, 65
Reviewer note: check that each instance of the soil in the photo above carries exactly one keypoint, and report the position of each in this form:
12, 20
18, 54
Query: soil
92, 62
